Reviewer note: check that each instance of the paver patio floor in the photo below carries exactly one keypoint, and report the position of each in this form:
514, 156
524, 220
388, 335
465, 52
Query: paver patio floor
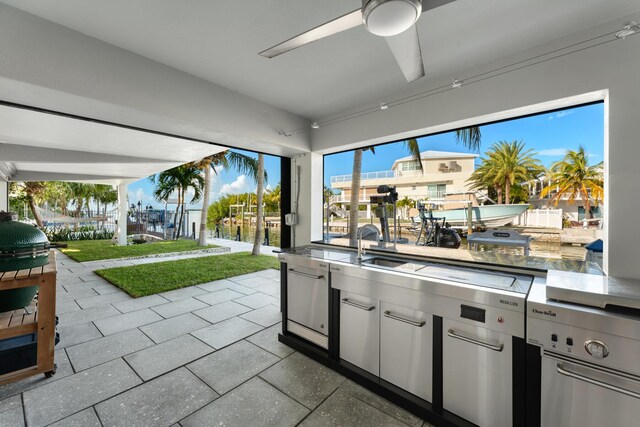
205, 355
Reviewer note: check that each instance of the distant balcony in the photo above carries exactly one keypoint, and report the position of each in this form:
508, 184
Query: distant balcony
364, 177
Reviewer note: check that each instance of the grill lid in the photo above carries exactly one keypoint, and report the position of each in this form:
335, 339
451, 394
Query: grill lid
19, 241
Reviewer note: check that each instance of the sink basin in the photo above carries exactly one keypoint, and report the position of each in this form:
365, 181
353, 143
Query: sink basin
384, 262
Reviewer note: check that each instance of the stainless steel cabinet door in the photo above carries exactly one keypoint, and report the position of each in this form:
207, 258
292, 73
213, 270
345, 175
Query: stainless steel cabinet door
308, 297
576, 395
477, 380
360, 331
406, 349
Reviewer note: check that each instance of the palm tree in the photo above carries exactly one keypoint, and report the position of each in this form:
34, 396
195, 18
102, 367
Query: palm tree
260, 194
469, 137
34, 190
178, 180
225, 159
508, 163
574, 176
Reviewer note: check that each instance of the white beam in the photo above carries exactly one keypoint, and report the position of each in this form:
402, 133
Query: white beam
123, 206
4, 196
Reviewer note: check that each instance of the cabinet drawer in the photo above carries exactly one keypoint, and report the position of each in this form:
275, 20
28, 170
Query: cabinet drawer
406, 349
360, 331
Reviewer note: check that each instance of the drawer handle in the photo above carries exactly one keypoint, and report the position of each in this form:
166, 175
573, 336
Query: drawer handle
418, 323
490, 346
593, 381
358, 305
311, 276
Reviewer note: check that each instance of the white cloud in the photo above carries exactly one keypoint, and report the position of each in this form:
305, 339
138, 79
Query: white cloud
553, 152
560, 114
240, 185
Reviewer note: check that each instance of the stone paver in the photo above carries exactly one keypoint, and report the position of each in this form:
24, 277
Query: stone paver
341, 409
176, 308
178, 294
87, 315
59, 399
161, 358
174, 327
86, 418
227, 332
223, 311
257, 300
231, 366
219, 296
268, 340
139, 303
11, 412
303, 379
265, 316
160, 402
255, 404
77, 334
380, 403
122, 322
92, 353
102, 300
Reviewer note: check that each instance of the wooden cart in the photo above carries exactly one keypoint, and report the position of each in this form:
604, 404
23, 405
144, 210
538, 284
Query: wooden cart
38, 318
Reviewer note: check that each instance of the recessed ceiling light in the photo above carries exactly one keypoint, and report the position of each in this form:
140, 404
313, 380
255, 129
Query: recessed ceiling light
630, 28
315, 125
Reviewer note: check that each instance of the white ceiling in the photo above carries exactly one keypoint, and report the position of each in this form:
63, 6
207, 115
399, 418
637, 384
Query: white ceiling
38, 146
219, 41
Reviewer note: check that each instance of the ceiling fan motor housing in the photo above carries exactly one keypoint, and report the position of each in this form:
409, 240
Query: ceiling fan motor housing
390, 17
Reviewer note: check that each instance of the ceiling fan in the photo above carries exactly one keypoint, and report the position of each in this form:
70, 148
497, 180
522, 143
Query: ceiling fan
392, 19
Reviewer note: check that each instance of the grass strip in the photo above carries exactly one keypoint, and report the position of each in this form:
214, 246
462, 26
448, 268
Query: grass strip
93, 250
149, 279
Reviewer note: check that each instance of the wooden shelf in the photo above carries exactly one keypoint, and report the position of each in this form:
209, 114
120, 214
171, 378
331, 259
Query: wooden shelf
39, 317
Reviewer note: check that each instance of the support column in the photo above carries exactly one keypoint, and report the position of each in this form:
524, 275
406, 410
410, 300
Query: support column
4, 196
123, 206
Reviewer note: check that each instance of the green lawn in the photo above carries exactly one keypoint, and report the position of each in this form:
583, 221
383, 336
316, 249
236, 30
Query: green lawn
92, 250
148, 279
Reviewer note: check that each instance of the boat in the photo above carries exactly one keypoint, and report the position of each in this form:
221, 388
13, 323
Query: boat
486, 216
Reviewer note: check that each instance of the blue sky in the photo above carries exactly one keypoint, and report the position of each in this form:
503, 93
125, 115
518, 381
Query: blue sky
227, 181
548, 134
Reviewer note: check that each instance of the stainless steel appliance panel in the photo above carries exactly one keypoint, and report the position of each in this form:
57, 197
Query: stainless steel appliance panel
360, 331
477, 374
583, 395
406, 349
308, 297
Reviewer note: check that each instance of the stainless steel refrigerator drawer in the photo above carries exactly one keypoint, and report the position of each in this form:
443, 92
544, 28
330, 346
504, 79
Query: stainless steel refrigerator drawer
580, 394
308, 297
406, 349
477, 379
360, 331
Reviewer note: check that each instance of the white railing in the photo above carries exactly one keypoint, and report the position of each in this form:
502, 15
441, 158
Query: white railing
547, 218
364, 176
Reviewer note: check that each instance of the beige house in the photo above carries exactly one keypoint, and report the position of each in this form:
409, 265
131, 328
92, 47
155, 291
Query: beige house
443, 173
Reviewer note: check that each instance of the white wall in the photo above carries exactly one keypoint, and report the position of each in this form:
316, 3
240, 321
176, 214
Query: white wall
611, 69
4, 196
50, 66
309, 206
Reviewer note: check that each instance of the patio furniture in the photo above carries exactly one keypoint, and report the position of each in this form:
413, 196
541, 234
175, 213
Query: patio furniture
19, 327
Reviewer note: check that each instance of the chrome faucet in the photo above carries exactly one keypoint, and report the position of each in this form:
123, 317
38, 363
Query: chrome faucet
372, 229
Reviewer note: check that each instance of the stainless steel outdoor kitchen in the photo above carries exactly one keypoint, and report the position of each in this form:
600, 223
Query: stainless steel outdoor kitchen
527, 342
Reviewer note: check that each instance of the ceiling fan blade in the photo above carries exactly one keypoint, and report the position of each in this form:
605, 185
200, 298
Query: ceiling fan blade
406, 49
432, 4
350, 20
